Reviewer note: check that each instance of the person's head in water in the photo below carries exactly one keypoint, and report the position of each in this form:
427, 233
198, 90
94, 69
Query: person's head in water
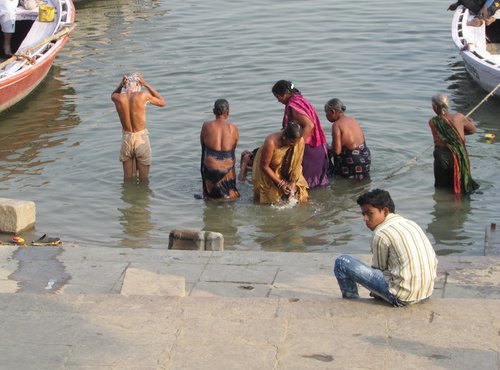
132, 83
292, 133
221, 106
283, 89
440, 103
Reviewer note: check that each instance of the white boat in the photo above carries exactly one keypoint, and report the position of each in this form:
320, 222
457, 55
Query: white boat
479, 47
36, 43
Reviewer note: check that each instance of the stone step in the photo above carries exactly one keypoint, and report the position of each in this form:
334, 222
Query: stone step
111, 331
212, 274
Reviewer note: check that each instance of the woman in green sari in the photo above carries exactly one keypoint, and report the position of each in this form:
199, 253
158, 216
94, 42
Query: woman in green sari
277, 171
451, 160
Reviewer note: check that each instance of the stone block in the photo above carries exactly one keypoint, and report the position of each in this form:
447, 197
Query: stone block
195, 240
214, 241
16, 215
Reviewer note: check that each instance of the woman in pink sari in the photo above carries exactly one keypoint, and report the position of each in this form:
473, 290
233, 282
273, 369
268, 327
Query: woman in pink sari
298, 109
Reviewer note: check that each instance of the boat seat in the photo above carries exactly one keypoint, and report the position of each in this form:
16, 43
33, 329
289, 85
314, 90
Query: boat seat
40, 30
25, 14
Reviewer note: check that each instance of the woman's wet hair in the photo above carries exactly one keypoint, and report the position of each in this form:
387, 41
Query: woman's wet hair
441, 100
282, 87
292, 131
335, 105
377, 198
221, 106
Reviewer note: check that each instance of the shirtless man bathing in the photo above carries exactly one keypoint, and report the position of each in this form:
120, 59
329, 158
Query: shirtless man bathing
130, 102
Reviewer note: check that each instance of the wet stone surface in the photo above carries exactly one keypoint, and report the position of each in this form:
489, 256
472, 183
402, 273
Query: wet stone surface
39, 271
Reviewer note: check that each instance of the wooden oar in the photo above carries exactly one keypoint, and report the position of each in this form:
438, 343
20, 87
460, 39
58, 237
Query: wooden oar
56, 36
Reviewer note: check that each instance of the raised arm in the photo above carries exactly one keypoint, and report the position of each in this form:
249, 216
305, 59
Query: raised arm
118, 90
156, 99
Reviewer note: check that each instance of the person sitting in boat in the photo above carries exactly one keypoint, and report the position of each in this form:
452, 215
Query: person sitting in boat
451, 160
488, 11
277, 171
8, 23
351, 156
130, 102
476, 9
218, 139
298, 109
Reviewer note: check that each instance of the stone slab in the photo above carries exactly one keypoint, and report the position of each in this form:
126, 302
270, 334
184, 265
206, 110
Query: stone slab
16, 215
143, 282
153, 332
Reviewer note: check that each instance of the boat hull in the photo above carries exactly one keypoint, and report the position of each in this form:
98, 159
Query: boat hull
18, 86
483, 67
15, 89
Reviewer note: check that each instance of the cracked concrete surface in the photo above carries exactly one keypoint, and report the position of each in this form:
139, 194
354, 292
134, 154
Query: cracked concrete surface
160, 309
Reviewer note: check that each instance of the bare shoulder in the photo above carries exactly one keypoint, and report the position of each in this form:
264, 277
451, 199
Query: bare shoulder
342, 123
233, 127
117, 97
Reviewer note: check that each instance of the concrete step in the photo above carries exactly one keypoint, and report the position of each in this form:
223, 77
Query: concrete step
79, 270
112, 331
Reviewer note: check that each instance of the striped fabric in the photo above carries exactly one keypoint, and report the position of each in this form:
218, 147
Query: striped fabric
406, 257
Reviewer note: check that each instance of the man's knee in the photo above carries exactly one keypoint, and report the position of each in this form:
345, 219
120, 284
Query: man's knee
341, 264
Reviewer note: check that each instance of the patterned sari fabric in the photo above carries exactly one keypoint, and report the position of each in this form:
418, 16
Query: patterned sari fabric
315, 163
287, 165
455, 163
353, 164
218, 174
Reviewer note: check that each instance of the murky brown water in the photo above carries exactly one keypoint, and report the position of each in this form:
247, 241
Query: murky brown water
60, 147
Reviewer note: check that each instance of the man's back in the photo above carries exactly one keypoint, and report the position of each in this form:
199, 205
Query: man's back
404, 253
219, 135
131, 108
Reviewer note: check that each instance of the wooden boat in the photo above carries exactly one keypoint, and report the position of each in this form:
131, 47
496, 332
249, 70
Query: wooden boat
37, 42
479, 47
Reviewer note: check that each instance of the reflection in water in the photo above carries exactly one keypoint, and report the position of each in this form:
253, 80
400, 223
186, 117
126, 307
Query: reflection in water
308, 227
136, 216
446, 227
34, 124
219, 217
272, 235
467, 95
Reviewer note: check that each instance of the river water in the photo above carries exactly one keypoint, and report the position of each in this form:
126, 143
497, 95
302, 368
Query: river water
385, 60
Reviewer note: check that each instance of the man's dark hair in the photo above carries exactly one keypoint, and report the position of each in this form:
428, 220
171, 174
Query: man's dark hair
221, 106
283, 86
293, 131
377, 198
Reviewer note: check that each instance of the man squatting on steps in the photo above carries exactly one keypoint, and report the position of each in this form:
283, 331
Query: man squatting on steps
404, 263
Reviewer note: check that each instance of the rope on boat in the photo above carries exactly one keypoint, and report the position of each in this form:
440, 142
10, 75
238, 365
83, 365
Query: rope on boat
414, 159
482, 101
24, 53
